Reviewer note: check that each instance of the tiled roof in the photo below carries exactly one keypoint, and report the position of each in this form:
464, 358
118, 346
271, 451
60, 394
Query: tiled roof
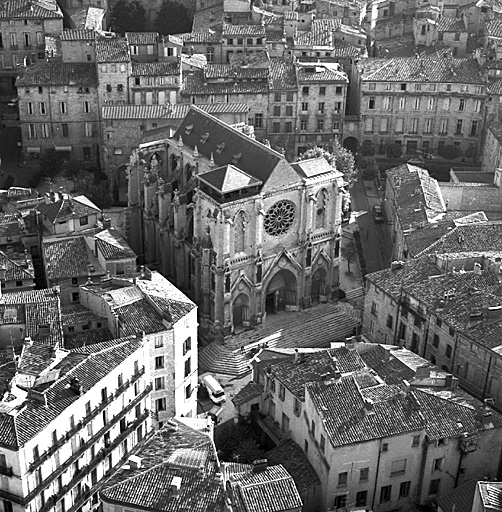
201, 37
436, 68
494, 28
294, 460
14, 269
78, 34
59, 73
250, 150
248, 392
320, 73
138, 38
194, 84
78, 339
295, 375
320, 33
273, 36
210, 18
388, 367
25, 9
213, 71
68, 208
421, 239
182, 452
113, 246
491, 496
76, 314
155, 69
178, 111
69, 257
271, 490
139, 316
282, 75
243, 30
113, 49
459, 499
20, 426
417, 197
446, 24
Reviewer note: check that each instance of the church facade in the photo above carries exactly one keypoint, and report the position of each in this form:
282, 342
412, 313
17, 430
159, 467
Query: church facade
234, 225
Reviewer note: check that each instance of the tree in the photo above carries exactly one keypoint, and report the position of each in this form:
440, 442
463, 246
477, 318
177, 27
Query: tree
369, 168
128, 17
50, 162
393, 150
237, 442
349, 253
336, 155
367, 149
449, 152
173, 18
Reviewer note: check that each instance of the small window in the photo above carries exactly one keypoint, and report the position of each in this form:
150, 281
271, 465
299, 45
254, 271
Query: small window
159, 341
322, 91
438, 464
435, 484
19, 283
342, 478
398, 467
448, 351
159, 362
75, 296
84, 220
385, 493
364, 474
74, 281
416, 441
404, 489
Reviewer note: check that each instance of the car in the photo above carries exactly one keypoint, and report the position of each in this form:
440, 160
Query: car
378, 213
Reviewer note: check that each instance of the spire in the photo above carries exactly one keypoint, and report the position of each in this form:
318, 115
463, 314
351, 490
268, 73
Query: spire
207, 243
196, 152
211, 161
180, 142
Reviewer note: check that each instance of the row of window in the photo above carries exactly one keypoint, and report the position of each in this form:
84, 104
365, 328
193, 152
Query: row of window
240, 41
44, 131
16, 60
155, 80
416, 125
63, 107
404, 102
112, 68
161, 403
306, 90
388, 86
337, 107
26, 39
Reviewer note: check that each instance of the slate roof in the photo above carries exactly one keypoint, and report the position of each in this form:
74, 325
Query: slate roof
113, 49
294, 460
435, 69
69, 257
446, 24
171, 452
243, 30
59, 73
155, 69
68, 208
271, 490
314, 167
417, 196
178, 111
139, 38
15, 270
25, 9
112, 245
252, 152
228, 179
20, 426
494, 28
459, 499
282, 75
78, 34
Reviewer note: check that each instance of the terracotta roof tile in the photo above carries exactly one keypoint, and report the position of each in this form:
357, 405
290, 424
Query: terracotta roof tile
494, 28
248, 392
459, 499
113, 246
138, 38
243, 30
446, 24
78, 34
26, 9
194, 84
201, 37
68, 208
155, 69
213, 71
114, 49
15, 270
59, 73
76, 314
282, 75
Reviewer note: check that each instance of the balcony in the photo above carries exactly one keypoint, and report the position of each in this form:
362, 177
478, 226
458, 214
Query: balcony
63, 467
97, 410
7, 471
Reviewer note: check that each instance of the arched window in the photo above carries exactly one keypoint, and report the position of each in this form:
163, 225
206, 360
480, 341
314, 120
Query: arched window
321, 205
239, 232
174, 162
188, 172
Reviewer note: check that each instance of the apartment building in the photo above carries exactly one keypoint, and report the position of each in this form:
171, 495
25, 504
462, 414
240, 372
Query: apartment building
16, 271
241, 39
58, 108
69, 419
383, 428
23, 27
444, 306
423, 104
78, 45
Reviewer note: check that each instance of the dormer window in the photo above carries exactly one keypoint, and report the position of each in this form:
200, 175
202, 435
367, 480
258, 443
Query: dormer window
236, 158
204, 138
188, 129
220, 147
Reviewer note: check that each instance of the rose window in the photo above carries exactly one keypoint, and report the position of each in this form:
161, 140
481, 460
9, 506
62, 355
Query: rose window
279, 218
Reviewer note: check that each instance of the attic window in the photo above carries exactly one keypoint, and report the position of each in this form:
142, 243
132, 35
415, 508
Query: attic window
188, 129
220, 147
204, 138
236, 158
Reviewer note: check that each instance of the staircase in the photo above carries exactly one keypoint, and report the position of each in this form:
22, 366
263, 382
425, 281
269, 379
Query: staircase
311, 328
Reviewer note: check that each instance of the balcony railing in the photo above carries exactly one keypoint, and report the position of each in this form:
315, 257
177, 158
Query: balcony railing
97, 410
61, 469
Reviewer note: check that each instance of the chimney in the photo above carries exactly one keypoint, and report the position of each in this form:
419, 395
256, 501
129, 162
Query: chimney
487, 419
28, 342
201, 472
176, 486
448, 381
493, 314
107, 223
396, 265
350, 343
260, 465
401, 343
422, 372
135, 462
75, 386
368, 408
297, 356
405, 387
475, 318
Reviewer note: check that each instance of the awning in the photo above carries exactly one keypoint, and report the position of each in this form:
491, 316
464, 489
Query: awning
62, 148
32, 150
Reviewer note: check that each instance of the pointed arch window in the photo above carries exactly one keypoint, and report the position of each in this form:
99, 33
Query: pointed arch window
174, 162
308, 262
188, 169
321, 205
239, 232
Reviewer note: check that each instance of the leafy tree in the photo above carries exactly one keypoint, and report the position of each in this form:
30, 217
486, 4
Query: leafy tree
449, 152
367, 149
338, 156
369, 167
237, 442
50, 162
128, 17
348, 252
173, 18
393, 150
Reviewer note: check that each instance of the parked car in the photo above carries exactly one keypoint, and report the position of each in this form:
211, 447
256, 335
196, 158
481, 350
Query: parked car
378, 213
